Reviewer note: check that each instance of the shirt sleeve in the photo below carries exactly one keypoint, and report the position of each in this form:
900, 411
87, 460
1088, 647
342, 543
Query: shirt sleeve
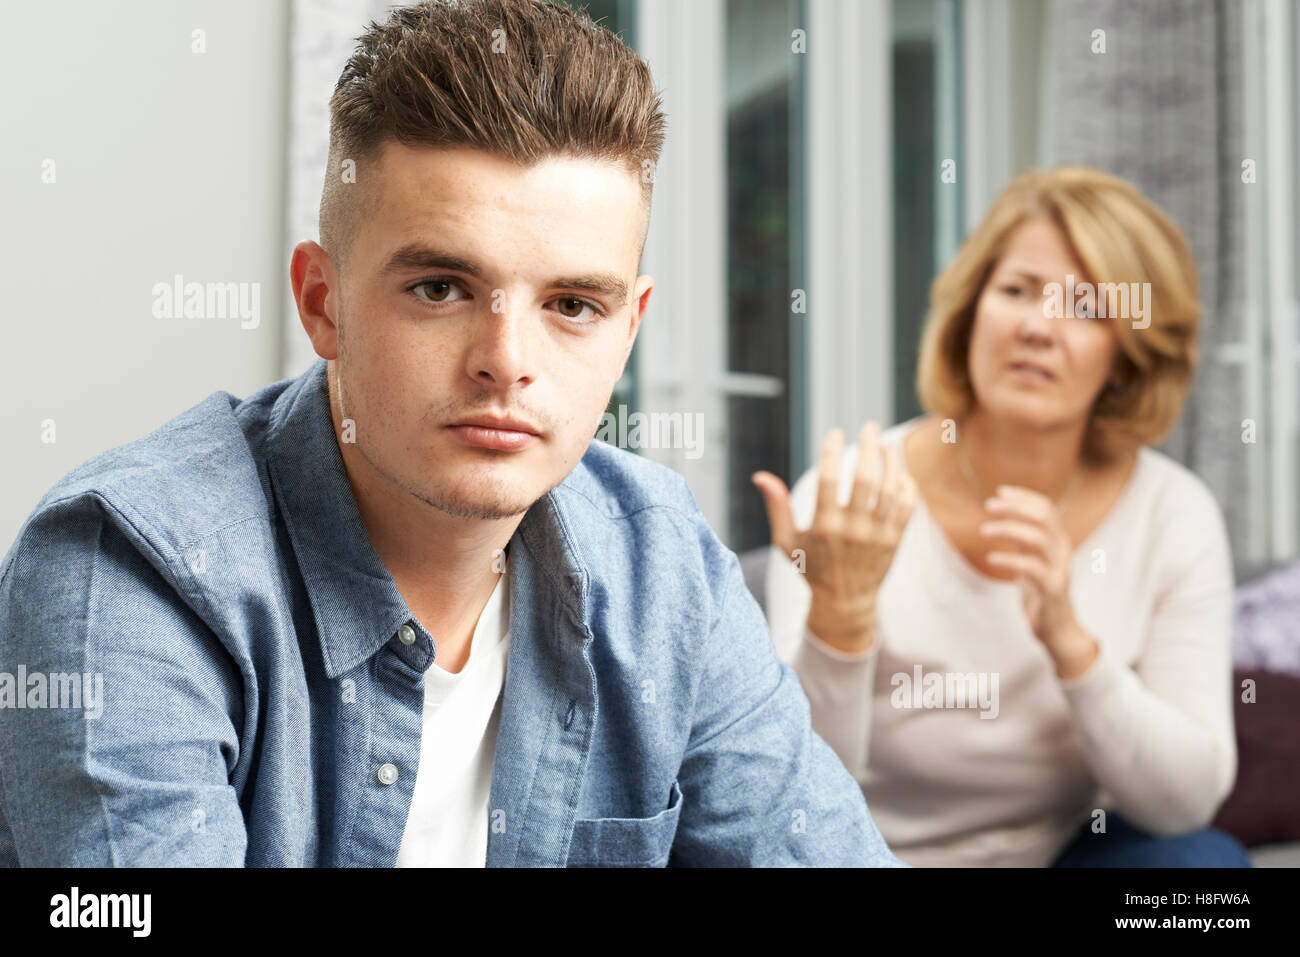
760, 786
839, 686
1159, 737
137, 772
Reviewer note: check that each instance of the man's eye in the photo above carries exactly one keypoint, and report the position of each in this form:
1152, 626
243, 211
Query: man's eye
440, 290
571, 307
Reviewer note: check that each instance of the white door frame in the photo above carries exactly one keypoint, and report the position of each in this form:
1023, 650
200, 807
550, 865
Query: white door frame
681, 360
850, 218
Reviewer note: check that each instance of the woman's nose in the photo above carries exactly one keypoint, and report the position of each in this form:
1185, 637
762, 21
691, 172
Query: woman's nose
1035, 323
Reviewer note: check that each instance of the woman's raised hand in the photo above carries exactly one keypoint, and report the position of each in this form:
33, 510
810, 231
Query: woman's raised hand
847, 549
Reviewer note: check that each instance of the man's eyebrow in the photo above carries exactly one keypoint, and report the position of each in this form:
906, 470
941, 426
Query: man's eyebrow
415, 256
605, 284
418, 256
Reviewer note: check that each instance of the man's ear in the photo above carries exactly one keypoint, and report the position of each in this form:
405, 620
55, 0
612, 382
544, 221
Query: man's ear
640, 302
316, 291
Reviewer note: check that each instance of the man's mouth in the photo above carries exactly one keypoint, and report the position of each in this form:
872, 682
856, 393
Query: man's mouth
501, 433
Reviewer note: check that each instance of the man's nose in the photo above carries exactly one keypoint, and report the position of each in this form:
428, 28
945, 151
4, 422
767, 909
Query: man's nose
504, 344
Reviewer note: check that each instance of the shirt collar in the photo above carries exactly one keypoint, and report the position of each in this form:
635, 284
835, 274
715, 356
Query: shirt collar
356, 603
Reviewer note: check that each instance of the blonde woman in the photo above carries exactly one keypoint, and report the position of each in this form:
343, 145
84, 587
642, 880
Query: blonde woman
1011, 615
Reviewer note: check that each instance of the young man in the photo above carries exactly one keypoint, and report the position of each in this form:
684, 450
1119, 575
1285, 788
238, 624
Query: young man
403, 609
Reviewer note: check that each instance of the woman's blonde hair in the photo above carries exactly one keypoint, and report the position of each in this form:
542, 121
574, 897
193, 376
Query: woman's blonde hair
1118, 236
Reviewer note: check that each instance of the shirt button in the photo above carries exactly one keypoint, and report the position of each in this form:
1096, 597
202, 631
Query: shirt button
406, 635
387, 774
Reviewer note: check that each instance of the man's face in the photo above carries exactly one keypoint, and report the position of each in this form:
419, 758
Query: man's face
481, 290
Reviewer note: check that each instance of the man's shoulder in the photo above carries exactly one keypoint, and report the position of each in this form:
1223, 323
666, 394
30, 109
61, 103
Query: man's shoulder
613, 485
193, 475
634, 524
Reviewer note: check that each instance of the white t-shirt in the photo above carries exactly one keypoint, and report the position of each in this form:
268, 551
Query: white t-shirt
448, 822
1008, 779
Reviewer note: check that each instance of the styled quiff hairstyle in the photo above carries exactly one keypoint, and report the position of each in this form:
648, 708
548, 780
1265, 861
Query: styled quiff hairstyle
1118, 236
520, 79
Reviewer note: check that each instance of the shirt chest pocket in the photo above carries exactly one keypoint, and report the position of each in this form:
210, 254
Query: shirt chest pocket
627, 841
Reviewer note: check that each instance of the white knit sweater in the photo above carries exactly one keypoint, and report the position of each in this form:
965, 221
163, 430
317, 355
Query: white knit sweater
1005, 774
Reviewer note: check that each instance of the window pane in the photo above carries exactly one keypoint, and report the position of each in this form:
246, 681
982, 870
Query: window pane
927, 189
764, 84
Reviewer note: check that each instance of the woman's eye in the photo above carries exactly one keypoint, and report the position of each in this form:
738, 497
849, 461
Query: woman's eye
571, 308
439, 290
1012, 290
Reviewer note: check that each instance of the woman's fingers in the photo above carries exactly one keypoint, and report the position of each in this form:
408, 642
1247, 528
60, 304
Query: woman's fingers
882, 489
1035, 520
908, 495
1030, 566
1022, 502
828, 477
850, 546
887, 500
866, 475
1020, 531
780, 516
882, 497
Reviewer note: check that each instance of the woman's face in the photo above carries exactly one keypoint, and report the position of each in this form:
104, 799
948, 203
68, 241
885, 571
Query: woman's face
1027, 362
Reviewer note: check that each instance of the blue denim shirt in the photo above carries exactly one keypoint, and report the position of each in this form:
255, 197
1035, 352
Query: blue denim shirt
217, 574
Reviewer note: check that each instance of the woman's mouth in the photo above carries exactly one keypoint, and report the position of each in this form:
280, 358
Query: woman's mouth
1028, 372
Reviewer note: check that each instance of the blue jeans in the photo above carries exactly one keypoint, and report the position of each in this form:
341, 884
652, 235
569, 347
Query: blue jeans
1123, 845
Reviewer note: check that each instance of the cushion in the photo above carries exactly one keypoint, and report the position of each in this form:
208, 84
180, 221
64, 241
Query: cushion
1264, 806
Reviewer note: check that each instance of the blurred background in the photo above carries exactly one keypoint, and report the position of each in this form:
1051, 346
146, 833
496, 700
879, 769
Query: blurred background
824, 160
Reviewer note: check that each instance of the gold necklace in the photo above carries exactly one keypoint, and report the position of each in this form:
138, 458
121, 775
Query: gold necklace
963, 463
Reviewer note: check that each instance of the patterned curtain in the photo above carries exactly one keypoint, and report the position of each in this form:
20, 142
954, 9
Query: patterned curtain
1161, 107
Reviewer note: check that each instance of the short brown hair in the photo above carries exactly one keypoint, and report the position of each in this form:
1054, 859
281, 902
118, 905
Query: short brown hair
1115, 232
521, 79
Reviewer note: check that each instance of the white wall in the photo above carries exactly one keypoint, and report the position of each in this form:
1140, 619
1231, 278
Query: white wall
166, 161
